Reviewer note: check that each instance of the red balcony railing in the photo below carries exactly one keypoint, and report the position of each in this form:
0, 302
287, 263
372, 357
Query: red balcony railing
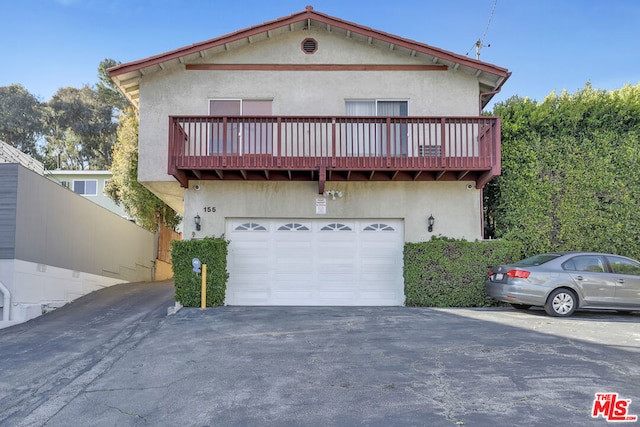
236, 147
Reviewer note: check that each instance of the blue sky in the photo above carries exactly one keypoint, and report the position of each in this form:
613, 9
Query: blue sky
547, 44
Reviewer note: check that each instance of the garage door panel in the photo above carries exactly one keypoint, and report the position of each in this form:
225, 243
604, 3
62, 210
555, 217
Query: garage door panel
293, 281
336, 289
336, 240
294, 266
255, 279
315, 262
293, 287
246, 298
337, 281
381, 266
293, 245
338, 298
378, 285
336, 269
253, 262
292, 298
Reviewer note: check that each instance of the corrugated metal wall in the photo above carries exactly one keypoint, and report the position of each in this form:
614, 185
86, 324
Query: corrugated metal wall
8, 200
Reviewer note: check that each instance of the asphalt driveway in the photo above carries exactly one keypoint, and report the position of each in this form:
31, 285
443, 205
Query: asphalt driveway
344, 366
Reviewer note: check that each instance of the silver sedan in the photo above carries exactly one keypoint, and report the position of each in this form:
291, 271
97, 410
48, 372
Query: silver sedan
565, 281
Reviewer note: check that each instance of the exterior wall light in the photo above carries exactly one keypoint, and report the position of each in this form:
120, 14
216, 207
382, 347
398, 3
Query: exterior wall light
196, 219
333, 194
431, 220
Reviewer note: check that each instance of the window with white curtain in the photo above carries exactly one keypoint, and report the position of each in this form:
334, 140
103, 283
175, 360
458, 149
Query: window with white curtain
250, 137
370, 139
375, 107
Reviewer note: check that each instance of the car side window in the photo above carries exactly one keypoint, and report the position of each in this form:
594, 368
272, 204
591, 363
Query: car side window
591, 263
624, 266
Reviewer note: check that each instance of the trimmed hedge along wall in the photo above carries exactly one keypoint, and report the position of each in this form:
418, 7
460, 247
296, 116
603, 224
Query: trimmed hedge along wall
451, 273
438, 273
213, 253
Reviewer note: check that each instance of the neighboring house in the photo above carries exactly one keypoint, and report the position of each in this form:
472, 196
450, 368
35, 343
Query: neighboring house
318, 147
89, 184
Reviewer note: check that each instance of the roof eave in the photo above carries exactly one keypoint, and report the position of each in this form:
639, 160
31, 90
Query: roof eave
128, 73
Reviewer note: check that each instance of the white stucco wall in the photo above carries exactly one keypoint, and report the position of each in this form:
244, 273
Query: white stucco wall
455, 207
176, 91
37, 288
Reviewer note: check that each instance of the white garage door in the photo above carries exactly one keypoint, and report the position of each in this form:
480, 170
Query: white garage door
315, 262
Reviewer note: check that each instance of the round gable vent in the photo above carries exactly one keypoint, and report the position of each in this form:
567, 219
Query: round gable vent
309, 45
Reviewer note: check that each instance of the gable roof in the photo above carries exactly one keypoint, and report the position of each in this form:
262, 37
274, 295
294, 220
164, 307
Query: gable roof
490, 77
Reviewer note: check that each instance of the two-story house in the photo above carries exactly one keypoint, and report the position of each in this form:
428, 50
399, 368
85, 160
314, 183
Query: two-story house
317, 147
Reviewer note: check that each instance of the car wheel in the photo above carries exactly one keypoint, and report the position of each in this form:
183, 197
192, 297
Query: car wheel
561, 303
521, 306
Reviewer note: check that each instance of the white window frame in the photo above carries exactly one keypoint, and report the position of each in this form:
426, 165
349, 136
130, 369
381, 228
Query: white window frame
95, 181
367, 146
375, 101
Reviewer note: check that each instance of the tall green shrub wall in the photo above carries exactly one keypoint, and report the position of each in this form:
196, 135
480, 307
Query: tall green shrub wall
451, 273
213, 253
569, 178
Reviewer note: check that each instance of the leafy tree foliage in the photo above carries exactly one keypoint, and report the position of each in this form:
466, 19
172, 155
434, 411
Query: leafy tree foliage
107, 90
20, 119
124, 188
80, 129
570, 172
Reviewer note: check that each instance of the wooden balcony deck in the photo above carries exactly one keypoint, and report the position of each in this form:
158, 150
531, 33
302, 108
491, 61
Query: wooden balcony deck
334, 148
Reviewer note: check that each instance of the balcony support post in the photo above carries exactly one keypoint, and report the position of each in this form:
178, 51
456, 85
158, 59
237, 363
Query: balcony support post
388, 141
322, 178
443, 142
224, 141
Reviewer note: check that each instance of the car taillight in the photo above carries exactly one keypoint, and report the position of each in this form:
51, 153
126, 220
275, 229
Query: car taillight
490, 272
521, 274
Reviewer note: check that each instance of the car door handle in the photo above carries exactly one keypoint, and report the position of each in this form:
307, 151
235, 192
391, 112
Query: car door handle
620, 280
578, 277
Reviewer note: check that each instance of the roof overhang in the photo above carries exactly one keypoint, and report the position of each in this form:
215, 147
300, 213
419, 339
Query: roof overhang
127, 76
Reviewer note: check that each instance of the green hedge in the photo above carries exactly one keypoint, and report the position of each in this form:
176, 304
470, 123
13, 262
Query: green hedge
451, 273
213, 253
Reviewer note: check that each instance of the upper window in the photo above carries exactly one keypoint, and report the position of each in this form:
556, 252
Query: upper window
247, 136
374, 107
86, 187
240, 107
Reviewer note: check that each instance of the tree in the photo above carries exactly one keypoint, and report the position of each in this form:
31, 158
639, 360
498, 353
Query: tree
107, 90
570, 172
124, 188
21, 116
80, 129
